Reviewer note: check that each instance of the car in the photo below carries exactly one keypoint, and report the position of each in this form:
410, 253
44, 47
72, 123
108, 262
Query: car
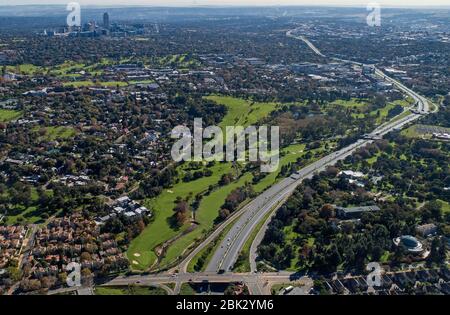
288, 289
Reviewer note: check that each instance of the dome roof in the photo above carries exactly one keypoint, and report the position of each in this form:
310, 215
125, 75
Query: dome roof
409, 241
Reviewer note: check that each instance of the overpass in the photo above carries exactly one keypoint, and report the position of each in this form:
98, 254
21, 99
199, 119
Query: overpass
253, 213
258, 283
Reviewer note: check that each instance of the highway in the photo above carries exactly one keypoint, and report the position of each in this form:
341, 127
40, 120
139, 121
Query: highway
307, 42
228, 251
247, 218
257, 283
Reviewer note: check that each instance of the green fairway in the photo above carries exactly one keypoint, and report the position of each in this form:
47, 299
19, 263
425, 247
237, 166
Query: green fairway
74, 69
445, 206
383, 113
159, 230
141, 251
360, 109
352, 103
67, 69
242, 112
210, 205
57, 133
27, 69
205, 215
8, 115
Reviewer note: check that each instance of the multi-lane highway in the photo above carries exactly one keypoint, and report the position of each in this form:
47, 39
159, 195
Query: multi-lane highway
254, 212
227, 253
306, 41
258, 283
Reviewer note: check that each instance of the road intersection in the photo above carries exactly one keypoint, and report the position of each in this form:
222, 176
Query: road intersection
247, 219
226, 255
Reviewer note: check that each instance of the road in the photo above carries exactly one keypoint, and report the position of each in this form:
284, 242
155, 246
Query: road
254, 212
228, 251
307, 42
257, 283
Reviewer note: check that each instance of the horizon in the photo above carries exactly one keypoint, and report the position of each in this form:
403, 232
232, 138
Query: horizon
235, 3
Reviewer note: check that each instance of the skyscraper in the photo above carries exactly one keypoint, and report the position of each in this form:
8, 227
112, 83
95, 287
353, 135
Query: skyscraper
106, 20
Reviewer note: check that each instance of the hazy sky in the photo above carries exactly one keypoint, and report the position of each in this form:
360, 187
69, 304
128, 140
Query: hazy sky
234, 2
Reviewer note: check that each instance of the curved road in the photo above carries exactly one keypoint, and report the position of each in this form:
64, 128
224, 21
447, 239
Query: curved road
226, 255
254, 212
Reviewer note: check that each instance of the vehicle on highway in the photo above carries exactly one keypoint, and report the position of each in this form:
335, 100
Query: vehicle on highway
288, 289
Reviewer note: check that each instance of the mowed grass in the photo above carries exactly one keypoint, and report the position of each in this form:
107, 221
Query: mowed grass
384, 112
445, 206
207, 212
67, 68
27, 214
58, 133
141, 251
352, 103
415, 132
242, 112
411, 132
27, 69
360, 108
160, 230
9, 114
187, 289
132, 290
291, 154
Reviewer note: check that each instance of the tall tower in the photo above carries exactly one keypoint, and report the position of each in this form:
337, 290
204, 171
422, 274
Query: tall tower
106, 20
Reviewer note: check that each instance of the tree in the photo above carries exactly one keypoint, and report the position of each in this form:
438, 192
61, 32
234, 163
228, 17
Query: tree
327, 212
85, 256
399, 254
438, 251
224, 214
332, 258
30, 285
